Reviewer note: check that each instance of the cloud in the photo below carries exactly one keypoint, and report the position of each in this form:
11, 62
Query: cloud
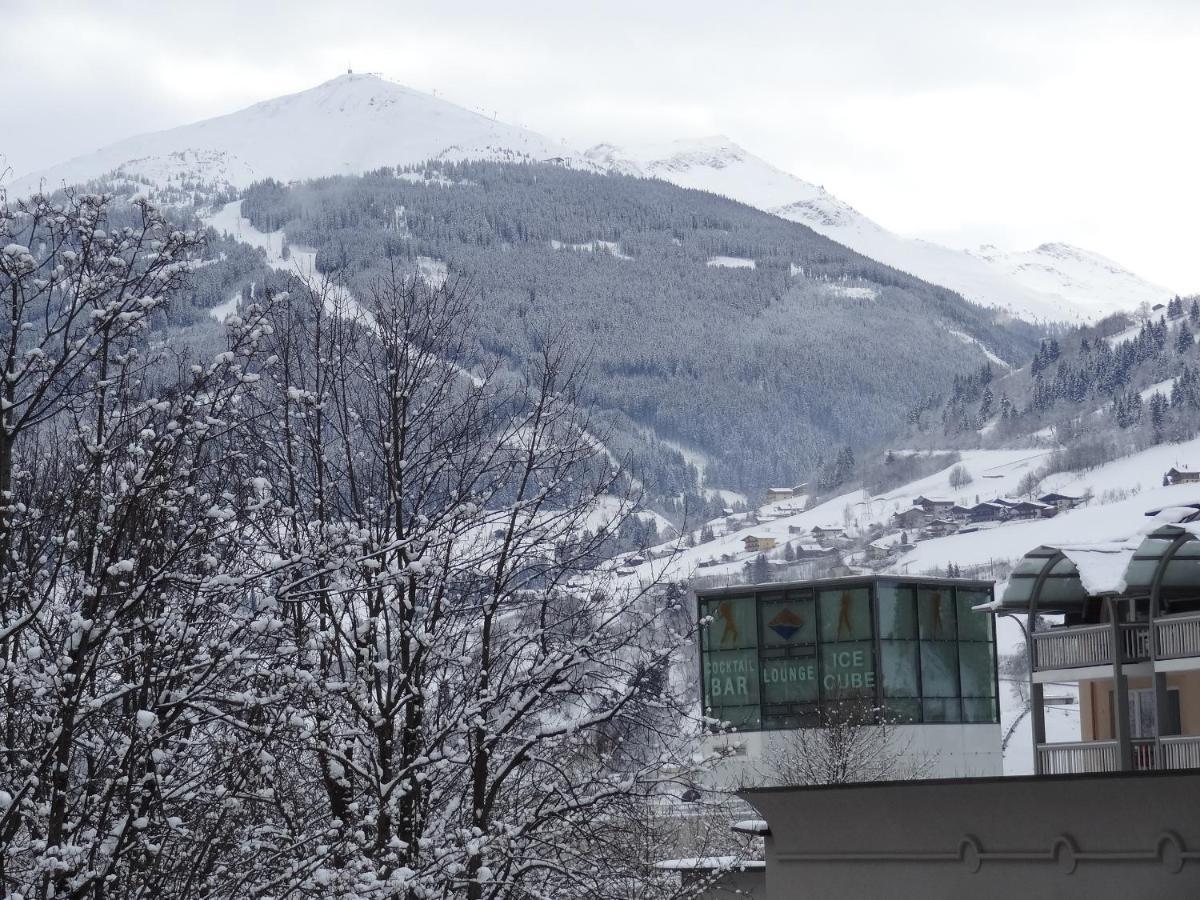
1065, 121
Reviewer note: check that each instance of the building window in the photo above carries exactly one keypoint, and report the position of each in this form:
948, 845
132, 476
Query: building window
1142, 723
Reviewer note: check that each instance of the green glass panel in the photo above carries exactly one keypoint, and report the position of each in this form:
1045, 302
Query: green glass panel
1018, 591
733, 624
978, 679
980, 710
788, 622
935, 610
1182, 573
903, 712
845, 615
847, 670
730, 678
789, 679
899, 662
973, 625
743, 718
939, 669
897, 611
941, 710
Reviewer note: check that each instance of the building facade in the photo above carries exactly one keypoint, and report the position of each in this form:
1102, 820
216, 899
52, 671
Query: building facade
1122, 621
776, 657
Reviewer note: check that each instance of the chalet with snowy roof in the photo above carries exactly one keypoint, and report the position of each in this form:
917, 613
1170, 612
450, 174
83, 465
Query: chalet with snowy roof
941, 527
914, 517
1060, 502
959, 513
756, 544
780, 493
1180, 475
934, 506
988, 511
796, 529
1029, 509
827, 532
878, 550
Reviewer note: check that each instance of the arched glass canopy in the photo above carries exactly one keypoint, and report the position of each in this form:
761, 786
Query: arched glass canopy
1164, 565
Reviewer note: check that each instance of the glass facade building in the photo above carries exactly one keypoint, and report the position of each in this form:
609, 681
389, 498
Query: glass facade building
773, 654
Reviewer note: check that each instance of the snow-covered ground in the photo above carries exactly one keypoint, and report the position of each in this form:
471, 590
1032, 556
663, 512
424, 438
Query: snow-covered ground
731, 262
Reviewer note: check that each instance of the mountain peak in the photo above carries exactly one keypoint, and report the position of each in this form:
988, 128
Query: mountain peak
351, 123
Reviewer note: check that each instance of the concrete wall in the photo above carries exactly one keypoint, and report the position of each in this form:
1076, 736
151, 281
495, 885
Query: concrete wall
927, 751
1092, 836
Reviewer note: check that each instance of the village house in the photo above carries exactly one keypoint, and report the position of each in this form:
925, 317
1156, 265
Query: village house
1180, 475
988, 511
796, 529
910, 518
1028, 509
823, 533
941, 527
934, 506
877, 551
756, 544
780, 493
1060, 502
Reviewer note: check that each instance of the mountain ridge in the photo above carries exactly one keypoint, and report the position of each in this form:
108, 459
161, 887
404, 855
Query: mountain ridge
346, 125
1042, 284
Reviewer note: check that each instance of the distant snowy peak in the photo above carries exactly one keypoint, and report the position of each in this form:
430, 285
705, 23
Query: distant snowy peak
718, 165
1070, 272
350, 124
1055, 282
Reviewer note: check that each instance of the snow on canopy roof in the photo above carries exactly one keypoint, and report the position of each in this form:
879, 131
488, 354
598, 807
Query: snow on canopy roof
710, 863
751, 826
1101, 568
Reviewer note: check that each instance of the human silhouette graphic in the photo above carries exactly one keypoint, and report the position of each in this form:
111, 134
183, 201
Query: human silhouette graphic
730, 632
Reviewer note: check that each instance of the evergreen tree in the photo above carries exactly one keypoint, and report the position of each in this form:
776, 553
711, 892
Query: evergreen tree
1184, 339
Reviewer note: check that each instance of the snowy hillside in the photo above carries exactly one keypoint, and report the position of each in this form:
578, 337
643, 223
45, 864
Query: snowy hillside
1075, 276
1052, 283
348, 125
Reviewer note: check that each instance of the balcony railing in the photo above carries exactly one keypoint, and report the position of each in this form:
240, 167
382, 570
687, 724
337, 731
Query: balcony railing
1084, 756
1088, 645
1178, 752
1177, 636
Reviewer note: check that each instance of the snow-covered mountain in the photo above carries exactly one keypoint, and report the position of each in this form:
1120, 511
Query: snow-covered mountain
1080, 277
1054, 282
348, 125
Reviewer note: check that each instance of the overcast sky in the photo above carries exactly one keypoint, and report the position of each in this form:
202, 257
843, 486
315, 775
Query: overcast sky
963, 121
